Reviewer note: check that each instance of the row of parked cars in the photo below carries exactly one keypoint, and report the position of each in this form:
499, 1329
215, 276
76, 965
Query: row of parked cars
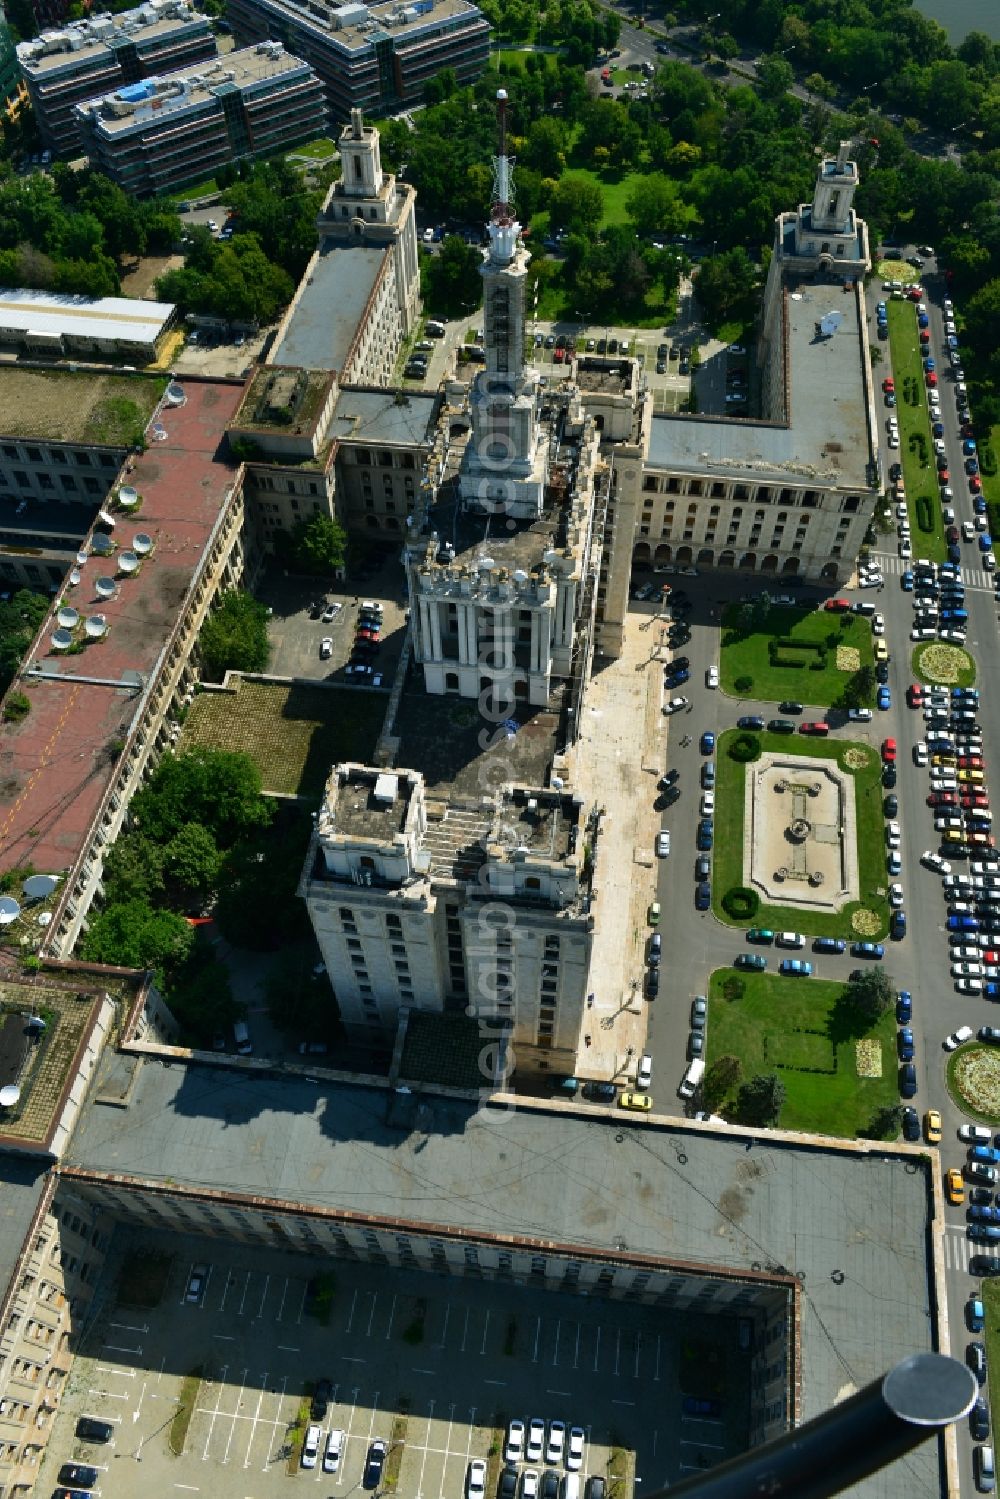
560, 1447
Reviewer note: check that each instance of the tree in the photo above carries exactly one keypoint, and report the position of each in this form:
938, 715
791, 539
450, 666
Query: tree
191, 862
454, 284
775, 76
258, 907
132, 935
133, 870
861, 688
20, 618
218, 788
721, 1076
886, 1122
725, 285
200, 995
319, 544
655, 204
577, 204
760, 1100
872, 994
234, 636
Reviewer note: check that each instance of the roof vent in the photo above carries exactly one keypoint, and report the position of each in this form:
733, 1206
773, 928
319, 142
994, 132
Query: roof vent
386, 788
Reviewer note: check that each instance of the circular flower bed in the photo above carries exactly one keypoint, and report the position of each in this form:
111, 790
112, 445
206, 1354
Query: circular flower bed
854, 758
975, 1075
947, 664
865, 922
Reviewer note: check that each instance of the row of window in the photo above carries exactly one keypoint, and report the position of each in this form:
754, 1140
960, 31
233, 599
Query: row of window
718, 489
60, 456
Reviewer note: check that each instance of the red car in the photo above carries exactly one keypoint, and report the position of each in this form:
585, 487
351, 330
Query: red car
915, 293
931, 378
944, 476
559, 355
915, 695
989, 956
970, 762
942, 799
975, 484
889, 751
888, 383
838, 606
816, 727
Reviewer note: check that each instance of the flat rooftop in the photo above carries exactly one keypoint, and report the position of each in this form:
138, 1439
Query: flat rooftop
58, 761
542, 820
21, 1186
348, 28
826, 402
54, 48
375, 415
357, 811
282, 400
136, 105
324, 320
123, 318
853, 1225
47, 525
76, 406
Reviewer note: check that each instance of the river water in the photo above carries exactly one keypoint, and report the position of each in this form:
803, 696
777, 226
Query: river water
959, 17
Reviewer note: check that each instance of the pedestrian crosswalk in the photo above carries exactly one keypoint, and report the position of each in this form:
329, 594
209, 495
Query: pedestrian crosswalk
958, 1249
894, 567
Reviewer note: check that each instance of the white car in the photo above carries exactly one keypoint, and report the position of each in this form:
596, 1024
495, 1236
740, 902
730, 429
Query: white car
663, 844
964, 954
974, 1134
310, 1447
529, 1483
712, 677
514, 1450
557, 1438
968, 986
923, 632
892, 441
870, 580
893, 835
934, 861
953, 637
966, 970
643, 1078
905, 549
878, 624
958, 1038
708, 803
326, 648
475, 1483
574, 1452
920, 753
213, 226
789, 939
895, 895
536, 1440
675, 705
860, 715
333, 1451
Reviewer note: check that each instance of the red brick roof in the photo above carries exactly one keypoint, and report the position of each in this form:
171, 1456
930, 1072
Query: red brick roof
56, 765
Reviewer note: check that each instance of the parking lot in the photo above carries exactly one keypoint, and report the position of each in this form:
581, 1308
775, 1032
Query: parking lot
434, 1366
296, 628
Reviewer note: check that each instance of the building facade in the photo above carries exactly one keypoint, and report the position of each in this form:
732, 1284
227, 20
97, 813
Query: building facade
377, 58
85, 59
157, 134
13, 91
480, 906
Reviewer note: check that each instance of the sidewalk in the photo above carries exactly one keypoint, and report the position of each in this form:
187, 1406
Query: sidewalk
616, 764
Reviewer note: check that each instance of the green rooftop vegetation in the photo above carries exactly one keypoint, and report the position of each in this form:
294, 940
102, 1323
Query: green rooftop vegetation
65, 406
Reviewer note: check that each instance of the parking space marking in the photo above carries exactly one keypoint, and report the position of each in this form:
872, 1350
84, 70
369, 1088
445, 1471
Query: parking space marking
108, 1395
555, 1353
576, 1350
223, 1337
563, 1394
597, 1349
349, 1360
117, 1348
218, 1402
423, 1460
129, 1326
255, 1418
260, 1309
428, 1371
243, 1298
347, 1436
485, 1331
110, 1369
392, 1313
302, 1303
623, 1402
444, 1330
281, 1303
538, 1333
465, 1330
371, 1314
638, 1349
501, 1382
657, 1373
230, 1282
236, 1415
287, 1348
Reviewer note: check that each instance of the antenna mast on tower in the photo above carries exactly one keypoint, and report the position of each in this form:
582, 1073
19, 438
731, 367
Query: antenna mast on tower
503, 227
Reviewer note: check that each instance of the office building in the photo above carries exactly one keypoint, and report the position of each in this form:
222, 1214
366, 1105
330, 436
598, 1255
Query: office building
87, 58
377, 58
156, 135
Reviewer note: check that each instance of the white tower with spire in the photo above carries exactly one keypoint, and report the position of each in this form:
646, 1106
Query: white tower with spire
503, 471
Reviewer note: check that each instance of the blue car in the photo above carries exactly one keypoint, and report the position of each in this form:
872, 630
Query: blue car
992, 989
906, 581
962, 924
904, 1044
987, 1155
867, 950
796, 968
829, 944
675, 678
880, 307
923, 321
693, 1406
981, 1213
904, 1007
703, 896
937, 428
967, 694
897, 926
971, 467
969, 447
979, 505
884, 698
985, 542
705, 834
750, 721
929, 364
754, 960
707, 743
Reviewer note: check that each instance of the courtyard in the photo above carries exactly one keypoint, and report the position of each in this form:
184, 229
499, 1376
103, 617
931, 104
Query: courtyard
837, 1070
850, 900
211, 1394
813, 658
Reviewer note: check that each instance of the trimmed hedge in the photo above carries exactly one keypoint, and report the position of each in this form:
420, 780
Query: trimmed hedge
925, 516
745, 748
740, 903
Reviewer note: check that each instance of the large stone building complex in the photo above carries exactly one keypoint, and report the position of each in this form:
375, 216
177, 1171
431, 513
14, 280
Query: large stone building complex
372, 57
93, 56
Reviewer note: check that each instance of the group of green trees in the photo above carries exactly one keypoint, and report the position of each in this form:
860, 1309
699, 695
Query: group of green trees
20, 618
200, 837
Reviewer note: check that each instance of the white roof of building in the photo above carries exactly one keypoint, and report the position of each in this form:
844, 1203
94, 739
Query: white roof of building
124, 318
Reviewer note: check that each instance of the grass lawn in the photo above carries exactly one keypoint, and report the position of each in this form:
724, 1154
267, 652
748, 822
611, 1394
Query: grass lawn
294, 735
948, 665
727, 869
746, 655
321, 148
990, 1293
981, 1064
802, 1030
916, 450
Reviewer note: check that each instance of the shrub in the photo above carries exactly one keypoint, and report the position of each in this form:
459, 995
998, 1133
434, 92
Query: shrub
733, 988
745, 747
925, 516
743, 684
17, 707
741, 903
987, 458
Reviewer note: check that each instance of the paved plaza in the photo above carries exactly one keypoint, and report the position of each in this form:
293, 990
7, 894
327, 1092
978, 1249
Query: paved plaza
800, 833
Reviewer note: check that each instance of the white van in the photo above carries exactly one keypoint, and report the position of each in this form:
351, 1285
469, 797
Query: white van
310, 1447
369, 606
570, 1486
242, 1038
984, 1468
691, 1078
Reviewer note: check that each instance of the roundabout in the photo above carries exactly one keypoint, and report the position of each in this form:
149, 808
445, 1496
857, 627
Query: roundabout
974, 1081
943, 665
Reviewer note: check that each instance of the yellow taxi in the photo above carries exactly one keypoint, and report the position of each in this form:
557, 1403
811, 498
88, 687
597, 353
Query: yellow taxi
954, 1187
932, 1127
640, 1101
971, 777
881, 651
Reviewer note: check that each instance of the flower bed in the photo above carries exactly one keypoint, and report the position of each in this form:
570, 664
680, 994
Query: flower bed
975, 1077
848, 658
947, 664
868, 1058
865, 922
